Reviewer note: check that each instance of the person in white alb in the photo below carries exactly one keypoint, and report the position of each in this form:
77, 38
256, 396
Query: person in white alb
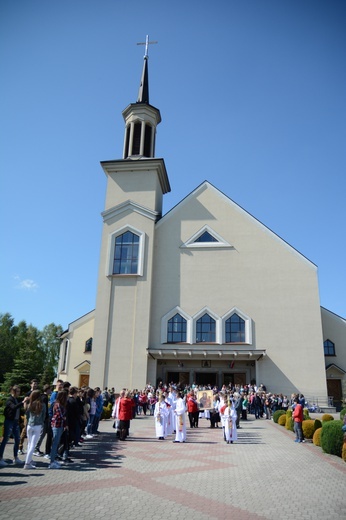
161, 414
230, 415
180, 419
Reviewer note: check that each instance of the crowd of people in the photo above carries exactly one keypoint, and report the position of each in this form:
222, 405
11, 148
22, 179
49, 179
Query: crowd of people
64, 417
68, 416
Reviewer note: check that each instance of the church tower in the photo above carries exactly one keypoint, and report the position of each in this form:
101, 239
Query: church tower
135, 188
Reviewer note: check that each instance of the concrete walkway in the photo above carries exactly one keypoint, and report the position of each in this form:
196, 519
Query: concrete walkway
265, 475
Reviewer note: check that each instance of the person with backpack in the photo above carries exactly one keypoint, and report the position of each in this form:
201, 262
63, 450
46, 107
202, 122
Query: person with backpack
11, 425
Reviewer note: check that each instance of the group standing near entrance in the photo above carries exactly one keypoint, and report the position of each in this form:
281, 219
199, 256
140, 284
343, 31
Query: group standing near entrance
68, 416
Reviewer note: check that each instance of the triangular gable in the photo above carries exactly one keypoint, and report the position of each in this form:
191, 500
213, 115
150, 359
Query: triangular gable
83, 365
332, 368
206, 185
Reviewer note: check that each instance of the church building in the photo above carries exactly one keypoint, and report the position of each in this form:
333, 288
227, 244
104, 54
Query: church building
203, 294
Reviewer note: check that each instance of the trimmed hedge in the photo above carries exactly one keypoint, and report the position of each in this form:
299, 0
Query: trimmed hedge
327, 417
282, 420
278, 414
316, 439
318, 424
342, 413
308, 428
332, 437
343, 453
107, 411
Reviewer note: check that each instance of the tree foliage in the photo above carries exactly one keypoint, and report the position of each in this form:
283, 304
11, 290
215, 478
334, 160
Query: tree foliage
27, 353
8, 347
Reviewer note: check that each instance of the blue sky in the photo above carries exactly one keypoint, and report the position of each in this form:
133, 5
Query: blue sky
252, 98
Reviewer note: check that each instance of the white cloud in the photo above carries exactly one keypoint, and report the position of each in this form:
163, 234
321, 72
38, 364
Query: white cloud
26, 285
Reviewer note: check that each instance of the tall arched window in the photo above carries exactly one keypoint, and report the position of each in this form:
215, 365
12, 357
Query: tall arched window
205, 329
235, 329
329, 348
126, 253
176, 329
147, 141
136, 145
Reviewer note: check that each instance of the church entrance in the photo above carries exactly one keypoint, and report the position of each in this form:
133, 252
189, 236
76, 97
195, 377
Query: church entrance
335, 391
83, 380
206, 378
235, 378
178, 377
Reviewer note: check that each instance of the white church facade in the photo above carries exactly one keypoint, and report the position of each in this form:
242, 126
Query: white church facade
204, 294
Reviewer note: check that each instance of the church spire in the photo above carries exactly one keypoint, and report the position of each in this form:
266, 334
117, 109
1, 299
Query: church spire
141, 119
143, 93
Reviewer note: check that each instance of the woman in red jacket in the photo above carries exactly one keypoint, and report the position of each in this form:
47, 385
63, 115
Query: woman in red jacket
192, 409
125, 414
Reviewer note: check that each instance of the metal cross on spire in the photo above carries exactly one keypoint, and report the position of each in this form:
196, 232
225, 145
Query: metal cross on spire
146, 43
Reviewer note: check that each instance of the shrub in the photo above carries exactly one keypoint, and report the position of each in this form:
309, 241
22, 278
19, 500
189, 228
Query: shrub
277, 414
342, 413
289, 424
332, 437
327, 417
306, 414
343, 453
316, 439
288, 420
282, 420
308, 428
107, 411
317, 424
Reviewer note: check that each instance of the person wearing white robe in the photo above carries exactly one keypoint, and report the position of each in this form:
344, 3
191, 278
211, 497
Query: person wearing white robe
180, 420
230, 416
222, 405
170, 416
173, 399
161, 414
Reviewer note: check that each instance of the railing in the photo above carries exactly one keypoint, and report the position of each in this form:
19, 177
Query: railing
319, 401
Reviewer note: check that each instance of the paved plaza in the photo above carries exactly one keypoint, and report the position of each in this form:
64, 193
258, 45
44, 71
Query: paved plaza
264, 475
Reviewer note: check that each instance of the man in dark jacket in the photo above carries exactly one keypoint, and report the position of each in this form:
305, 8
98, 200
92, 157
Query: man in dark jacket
11, 425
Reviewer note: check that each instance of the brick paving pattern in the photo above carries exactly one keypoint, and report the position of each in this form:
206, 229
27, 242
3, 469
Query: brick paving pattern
264, 475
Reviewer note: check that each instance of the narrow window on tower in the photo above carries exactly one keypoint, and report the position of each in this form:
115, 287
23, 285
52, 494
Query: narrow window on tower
126, 253
136, 146
127, 142
147, 141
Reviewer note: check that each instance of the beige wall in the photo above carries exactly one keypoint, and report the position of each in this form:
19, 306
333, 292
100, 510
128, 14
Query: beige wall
259, 274
122, 316
78, 333
262, 276
334, 329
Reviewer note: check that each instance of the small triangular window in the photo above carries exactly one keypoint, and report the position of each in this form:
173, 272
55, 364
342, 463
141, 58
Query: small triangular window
206, 237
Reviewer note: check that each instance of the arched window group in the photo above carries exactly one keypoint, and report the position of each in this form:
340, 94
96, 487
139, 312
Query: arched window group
205, 327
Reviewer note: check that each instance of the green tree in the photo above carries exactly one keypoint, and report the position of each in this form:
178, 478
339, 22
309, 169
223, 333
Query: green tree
50, 345
8, 349
29, 361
